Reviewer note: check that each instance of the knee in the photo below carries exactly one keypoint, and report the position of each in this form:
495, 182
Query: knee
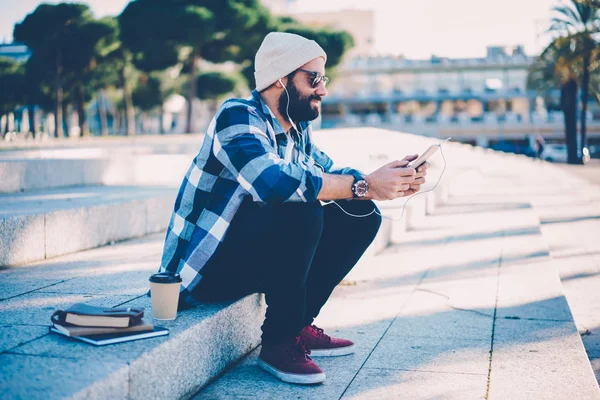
370, 225
303, 219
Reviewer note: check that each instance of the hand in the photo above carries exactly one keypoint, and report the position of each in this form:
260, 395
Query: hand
419, 180
392, 180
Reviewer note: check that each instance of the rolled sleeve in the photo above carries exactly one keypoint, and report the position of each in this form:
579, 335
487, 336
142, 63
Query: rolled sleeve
242, 145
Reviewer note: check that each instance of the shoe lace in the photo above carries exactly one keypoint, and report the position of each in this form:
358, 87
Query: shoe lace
321, 332
299, 350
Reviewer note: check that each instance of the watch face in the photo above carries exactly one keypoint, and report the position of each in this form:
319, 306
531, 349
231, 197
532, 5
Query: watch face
361, 188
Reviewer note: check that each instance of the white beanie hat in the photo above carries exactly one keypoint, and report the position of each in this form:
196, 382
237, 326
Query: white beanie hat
282, 53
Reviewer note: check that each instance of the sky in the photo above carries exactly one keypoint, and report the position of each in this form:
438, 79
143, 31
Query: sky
414, 28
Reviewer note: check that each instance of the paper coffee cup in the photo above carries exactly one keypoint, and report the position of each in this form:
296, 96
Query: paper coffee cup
164, 290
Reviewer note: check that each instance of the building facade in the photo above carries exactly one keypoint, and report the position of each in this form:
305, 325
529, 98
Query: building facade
476, 100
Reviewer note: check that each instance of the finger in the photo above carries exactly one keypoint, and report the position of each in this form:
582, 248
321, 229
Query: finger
416, 188
406, 172
418, 181
397, 164
405, 179
424, 167
411, 157
403, 187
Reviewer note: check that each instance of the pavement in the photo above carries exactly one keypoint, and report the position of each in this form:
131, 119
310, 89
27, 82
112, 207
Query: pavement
468, 303
489, 292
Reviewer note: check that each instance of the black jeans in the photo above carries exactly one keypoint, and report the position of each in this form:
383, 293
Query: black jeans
294, 253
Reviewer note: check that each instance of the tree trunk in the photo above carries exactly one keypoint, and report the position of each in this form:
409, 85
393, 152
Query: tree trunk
129, 110
568, 100
189, 124
68, 118
116, 125
6, 125
31, 115
102, 113
84, 131
58, 120
585, 87
161, 119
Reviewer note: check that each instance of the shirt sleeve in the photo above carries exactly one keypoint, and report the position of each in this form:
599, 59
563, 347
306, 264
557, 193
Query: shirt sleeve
242, 145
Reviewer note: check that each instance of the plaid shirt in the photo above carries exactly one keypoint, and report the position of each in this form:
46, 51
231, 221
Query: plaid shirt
245, 152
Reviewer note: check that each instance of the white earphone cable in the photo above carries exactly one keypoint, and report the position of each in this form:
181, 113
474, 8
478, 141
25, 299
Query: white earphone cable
287, 110
403, 207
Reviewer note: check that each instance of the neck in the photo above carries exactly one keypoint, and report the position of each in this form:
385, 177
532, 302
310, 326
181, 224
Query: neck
273, 104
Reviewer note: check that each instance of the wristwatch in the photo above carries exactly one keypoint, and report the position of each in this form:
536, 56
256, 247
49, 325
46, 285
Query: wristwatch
360, 187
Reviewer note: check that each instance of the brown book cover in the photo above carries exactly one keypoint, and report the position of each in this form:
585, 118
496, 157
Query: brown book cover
85, 315
85, 330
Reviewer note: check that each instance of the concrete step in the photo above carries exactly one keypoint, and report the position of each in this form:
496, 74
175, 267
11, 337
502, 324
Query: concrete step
143, 160
35, 364
202, 343
43, 224
22, 175
468, 298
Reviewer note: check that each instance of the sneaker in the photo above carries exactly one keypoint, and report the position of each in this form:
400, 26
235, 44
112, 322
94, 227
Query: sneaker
290, 362
322, 345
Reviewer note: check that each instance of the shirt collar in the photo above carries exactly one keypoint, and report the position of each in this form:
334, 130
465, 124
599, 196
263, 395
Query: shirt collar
265, 108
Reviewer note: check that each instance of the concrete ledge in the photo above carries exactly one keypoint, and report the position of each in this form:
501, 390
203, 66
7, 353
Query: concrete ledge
201, 343
38, 225
22, 175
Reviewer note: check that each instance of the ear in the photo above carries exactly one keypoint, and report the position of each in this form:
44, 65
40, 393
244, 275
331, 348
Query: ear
279, 83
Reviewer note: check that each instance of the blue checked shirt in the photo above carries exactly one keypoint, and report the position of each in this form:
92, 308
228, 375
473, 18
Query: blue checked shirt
245, 152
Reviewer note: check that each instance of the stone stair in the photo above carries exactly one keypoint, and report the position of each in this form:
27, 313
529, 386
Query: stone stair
53, 235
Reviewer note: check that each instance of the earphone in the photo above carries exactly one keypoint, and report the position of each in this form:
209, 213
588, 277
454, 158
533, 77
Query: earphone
287, 108
287, 105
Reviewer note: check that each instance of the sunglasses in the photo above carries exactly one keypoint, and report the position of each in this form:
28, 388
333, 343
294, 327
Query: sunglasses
317, 78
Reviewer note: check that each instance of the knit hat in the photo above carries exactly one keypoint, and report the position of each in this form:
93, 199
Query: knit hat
282, 53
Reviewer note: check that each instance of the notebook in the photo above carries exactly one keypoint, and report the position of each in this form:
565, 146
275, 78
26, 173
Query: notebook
111, 338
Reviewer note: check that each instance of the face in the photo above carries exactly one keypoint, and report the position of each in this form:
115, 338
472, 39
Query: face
305, 100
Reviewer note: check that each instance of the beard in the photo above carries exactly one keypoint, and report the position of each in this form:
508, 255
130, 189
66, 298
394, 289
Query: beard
300, 107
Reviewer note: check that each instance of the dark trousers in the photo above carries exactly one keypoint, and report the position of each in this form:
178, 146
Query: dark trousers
294, 253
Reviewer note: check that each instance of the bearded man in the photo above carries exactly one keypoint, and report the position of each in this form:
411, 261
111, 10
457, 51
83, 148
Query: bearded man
248, 217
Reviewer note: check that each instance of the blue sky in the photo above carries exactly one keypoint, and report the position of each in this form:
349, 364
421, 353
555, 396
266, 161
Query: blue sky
415, 28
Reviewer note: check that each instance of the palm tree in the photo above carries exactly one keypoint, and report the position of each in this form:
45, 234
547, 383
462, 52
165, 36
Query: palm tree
577, 24
556, 67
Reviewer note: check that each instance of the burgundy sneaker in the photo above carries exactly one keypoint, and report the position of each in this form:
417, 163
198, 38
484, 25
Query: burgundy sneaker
290, 362
322, 345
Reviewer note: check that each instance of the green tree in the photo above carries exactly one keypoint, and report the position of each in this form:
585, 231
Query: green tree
11, 81
555, 68
70, 40
48, 32
212, 85
151, 92
140, 49
577, 25
213, 30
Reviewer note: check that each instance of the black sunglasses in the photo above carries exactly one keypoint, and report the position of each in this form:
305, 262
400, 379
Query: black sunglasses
317, 78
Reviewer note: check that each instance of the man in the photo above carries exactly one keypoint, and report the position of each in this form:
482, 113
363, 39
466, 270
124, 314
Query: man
248, 216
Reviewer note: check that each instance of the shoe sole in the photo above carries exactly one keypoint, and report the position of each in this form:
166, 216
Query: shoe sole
338, 351
301, 379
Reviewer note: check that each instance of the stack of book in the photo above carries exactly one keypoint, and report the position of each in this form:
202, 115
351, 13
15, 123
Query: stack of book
101, 326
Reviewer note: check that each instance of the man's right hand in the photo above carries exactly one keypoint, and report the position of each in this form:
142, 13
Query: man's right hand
392, 180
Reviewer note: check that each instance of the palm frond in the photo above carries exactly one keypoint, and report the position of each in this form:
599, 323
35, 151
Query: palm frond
571, 16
